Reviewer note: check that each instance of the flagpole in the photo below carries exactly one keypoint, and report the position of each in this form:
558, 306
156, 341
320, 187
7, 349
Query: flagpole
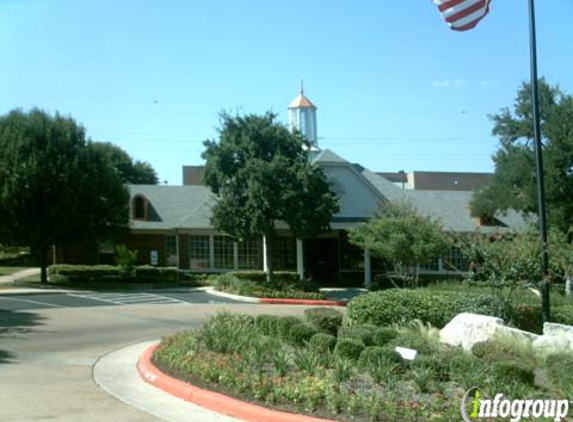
539, 167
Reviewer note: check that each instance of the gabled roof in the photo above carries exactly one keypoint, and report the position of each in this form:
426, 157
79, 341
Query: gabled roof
175, 206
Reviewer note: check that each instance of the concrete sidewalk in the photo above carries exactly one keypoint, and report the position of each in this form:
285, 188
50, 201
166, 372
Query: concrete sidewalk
29, 272
116, 373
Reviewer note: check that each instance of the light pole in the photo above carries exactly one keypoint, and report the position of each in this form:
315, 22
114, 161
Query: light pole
539, 167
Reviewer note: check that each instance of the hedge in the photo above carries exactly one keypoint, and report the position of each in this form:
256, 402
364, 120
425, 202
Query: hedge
110, 273
395, 306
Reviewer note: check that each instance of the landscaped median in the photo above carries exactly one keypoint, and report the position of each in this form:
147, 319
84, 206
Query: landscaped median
330, 366
286, 288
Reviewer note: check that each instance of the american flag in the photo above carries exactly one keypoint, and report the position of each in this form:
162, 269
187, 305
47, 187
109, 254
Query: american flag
462, 15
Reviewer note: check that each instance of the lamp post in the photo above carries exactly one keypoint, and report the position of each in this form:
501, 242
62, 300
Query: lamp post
539, 167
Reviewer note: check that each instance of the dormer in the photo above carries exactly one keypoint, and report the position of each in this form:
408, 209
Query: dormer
140, 208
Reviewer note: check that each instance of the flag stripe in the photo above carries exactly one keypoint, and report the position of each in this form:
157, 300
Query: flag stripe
462, 15
466, 12
460, 7
472, 20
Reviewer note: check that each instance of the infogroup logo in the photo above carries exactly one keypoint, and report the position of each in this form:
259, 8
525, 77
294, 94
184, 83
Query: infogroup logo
475, 406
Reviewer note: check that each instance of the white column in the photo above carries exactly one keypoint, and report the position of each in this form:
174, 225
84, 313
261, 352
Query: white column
211, 251
236, 255
265, 263
177, 250
441, 265
299, 258
367, 267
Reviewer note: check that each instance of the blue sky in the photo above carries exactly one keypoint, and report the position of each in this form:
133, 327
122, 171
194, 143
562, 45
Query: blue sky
395, 88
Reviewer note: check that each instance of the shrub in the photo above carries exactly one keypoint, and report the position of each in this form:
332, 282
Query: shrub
125, 258
558, 367
149, 274
306, 360
322, 342
349, 348
435, 307
327, 320
467, 370
380, 362
383, 335
503, 349
562, 314
85, 273
363, 332
267, 324
507, 371
301, 333
372, 354
437, 364
284, 324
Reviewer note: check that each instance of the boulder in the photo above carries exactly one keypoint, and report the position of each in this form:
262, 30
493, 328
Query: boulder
466, 330
556, 338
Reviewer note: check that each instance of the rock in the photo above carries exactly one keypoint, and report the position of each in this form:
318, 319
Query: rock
552, 344
556, 338
552, 329
466, 330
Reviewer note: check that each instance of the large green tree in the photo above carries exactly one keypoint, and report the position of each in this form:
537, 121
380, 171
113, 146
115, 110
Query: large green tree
55, 188
262, 175
130, 171
514, 181
402, 237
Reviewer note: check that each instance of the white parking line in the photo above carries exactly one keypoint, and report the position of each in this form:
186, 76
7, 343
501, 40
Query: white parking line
34, 302
128, 298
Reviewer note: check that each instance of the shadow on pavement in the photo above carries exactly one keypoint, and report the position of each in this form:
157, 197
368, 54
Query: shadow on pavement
18, 322
5, 357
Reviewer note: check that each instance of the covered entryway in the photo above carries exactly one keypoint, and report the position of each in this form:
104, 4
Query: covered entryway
321, 260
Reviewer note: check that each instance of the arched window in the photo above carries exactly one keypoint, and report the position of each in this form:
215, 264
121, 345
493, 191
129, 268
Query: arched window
139, 208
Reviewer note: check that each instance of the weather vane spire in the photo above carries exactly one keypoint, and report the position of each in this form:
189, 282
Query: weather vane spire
302, 86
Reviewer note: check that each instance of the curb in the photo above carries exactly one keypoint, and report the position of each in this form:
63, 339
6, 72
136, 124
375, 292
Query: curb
273, 301
213, 401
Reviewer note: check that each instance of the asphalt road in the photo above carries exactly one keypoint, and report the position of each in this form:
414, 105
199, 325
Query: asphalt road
50, 342
34, 301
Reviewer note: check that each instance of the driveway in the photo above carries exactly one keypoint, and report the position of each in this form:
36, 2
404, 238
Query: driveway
47, 354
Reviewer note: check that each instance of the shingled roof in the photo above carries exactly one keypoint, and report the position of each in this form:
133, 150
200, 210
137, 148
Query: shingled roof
188, 207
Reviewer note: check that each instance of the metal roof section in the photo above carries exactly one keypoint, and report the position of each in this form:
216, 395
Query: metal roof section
301, 101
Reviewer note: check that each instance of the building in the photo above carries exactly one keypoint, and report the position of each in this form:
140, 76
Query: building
170, 225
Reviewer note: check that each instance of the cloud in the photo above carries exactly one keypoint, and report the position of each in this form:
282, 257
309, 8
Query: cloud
455, 82
484, 83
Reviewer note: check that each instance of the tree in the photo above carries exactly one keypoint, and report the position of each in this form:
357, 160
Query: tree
130, 171
399, 235
261, 174
514, 181
55, 188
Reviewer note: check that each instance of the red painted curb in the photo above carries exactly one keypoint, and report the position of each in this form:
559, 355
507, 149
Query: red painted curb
301, 302
213, 401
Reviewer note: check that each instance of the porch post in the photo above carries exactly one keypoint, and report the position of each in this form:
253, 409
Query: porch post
177, 249
367, 267
299, 258
265, 263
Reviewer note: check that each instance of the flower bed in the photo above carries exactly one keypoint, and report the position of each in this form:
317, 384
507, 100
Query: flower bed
299, 365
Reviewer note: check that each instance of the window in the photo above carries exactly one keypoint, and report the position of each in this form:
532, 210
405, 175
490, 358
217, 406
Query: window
249, 255
199, 256
171, 250
285, 253
139, 208
454, 260
223, 249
